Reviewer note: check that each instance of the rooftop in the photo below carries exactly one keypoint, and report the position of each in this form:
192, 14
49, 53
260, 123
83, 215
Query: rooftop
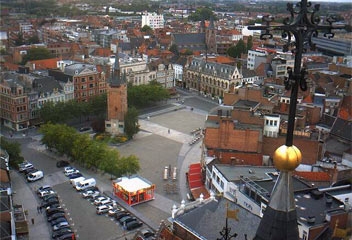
133, 183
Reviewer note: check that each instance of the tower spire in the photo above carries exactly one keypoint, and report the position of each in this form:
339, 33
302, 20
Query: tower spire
116, 73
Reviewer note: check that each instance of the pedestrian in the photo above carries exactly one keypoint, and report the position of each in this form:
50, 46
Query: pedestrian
32, 221
168, 130
38, 211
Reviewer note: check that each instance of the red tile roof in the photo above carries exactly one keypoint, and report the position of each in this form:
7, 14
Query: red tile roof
43, 64
314, 176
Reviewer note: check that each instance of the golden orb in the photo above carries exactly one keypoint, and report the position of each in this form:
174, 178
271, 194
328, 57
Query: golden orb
287, 158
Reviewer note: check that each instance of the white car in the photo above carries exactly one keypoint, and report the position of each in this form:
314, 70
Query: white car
25, 166
45, 193
90, 194
99, 200
71, 171
103, 209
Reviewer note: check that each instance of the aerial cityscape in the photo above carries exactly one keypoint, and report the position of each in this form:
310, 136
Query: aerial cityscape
176, 120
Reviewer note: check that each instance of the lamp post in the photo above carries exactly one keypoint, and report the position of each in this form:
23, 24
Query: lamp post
280, 218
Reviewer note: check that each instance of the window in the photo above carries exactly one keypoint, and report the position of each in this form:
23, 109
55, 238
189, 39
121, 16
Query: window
83, 79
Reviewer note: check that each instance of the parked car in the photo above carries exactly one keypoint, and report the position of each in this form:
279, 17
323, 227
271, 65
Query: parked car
122, 214
44, 188
52, 206
29, 170
50, 194
133, 225
147, 234
126, 220
58, 220
90, 189
85, 184
50, 202
61, 232
60, 225
85, 129
98, 200
62, 163
25, 166
75, 175
55, 216
107, 202
90, 194
51, 211
114, 211
71, 171
103, 209
67, 236
35, 176
48, 198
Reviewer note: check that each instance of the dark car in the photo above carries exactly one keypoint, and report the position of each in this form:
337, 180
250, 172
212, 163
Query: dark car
120, 215
49, 196
74, 175
52, 211
147, 234
61, 232
56, 216
126, 220
29, 170
62, 163
66, 236
58, 220
133, 225
50, 202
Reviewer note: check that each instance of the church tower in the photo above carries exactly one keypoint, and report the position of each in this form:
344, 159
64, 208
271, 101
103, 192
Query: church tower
116, 101
210, 37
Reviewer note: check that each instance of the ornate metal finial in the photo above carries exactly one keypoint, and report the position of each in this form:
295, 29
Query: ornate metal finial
298, 30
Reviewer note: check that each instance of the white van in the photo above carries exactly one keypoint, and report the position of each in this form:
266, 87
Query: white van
85, 184
76, 180
34, 176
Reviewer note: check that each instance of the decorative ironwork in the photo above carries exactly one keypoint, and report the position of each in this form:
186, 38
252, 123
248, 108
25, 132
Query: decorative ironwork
298, 30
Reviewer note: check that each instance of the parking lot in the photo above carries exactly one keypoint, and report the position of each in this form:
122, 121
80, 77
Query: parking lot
155, 149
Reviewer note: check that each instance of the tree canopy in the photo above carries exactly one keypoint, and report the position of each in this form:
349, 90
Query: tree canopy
13, 149
86, 151
237, 50
204, 13
38, 53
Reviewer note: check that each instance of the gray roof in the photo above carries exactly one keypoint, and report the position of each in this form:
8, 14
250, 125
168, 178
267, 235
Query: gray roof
210, 220
254, 173
245, 104
212, 68
342, 129
192, 41
78, 68
46, 85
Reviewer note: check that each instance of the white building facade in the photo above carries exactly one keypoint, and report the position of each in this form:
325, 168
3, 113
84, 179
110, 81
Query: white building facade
153, 20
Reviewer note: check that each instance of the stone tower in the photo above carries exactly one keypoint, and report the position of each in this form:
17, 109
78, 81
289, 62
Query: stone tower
116, 101
210, 37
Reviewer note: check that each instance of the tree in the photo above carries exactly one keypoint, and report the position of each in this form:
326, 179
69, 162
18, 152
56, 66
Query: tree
19, 40
13, 149
33, 39
128, 165
146, 29
249, 43
174, 49
204, 13
36, 54
236, 51
131, 122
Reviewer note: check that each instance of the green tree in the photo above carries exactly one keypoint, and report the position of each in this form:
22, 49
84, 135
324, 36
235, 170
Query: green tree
19, 40
236, 51
36, 54
131, 122
146, 29
174, 49
187, 52
80, 144
33, 39
13, 149
204, 13
109, 165
128, 165
144, 95
249, 43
